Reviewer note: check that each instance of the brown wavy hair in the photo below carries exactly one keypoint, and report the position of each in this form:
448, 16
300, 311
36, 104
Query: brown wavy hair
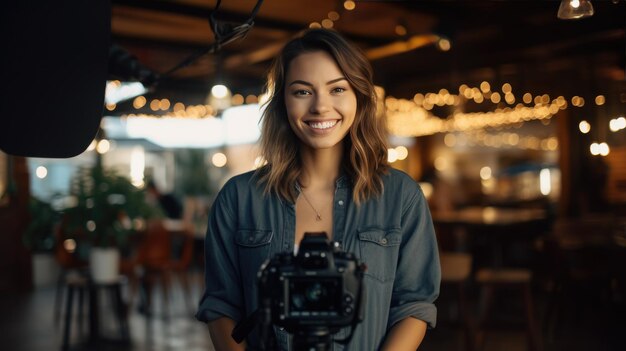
365, 151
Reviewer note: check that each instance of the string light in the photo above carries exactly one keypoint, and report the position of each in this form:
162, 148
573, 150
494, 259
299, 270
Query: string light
413, 118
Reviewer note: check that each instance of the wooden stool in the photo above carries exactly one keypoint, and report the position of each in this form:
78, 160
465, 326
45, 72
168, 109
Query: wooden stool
490, 279
81, 284
456, 269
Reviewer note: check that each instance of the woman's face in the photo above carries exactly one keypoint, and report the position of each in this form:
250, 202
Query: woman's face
321, 105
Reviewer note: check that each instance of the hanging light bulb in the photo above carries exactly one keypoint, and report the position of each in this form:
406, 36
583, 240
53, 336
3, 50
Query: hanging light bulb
575, 9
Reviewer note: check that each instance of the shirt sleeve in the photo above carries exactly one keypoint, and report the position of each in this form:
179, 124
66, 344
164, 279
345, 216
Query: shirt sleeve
223, 295
418, 275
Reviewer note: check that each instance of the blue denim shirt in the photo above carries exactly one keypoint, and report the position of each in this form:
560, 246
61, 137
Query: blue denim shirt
392, 234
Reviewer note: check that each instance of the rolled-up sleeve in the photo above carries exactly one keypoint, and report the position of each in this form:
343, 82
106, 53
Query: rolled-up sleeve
223, 295
418, 274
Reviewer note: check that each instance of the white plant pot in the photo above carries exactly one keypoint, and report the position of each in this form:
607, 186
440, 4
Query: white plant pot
104, 264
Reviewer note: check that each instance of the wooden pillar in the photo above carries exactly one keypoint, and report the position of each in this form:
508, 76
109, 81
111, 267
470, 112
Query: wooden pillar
15, 259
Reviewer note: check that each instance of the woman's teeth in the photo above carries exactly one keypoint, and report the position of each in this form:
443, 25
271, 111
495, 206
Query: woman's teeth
322, 125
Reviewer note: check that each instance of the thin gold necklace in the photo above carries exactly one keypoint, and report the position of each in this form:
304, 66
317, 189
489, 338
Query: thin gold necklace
318, 217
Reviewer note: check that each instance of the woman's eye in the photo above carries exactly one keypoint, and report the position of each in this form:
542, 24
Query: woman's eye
301, 93
338, 90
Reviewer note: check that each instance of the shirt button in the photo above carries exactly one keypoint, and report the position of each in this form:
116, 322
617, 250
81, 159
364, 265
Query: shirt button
340, 202
251, 239
383, 241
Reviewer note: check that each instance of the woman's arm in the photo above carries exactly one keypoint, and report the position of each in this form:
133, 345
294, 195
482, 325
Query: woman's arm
220, 330
405, 335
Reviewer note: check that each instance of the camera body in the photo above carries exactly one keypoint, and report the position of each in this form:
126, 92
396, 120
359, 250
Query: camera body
318, 290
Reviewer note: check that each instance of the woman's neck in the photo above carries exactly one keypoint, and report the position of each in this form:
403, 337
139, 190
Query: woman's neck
320, 167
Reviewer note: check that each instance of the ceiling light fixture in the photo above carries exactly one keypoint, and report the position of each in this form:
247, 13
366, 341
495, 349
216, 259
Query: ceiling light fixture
575, 9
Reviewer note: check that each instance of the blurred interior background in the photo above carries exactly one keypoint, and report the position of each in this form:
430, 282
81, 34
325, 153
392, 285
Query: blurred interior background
510, 114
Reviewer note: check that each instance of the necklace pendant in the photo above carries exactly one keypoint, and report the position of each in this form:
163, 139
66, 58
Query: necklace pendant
318, 218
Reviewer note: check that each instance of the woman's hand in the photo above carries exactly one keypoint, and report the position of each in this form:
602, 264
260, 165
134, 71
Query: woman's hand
220, 330
405, 335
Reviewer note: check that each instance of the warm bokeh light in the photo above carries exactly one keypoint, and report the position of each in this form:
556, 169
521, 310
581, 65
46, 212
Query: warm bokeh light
449, 140
219, 91
441, 163
137, 166
139, 102
315, 25
506, 88
69, 245
495, 97
179, 107
41, 172
392, 155
219, 160
400, 30
237, 99
155, 105
604, 149
91, 226
444, 44
509, 98
485, 173
326, 23
545, 182
103, 146
333, 15
252, 99
617, 124
584, 127
349, 5
600, 100
485, 87
402, 152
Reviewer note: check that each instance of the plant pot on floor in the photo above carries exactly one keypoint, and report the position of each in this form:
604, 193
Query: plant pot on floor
104, 265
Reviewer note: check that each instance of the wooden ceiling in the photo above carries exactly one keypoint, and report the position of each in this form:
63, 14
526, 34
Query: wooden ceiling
518, 41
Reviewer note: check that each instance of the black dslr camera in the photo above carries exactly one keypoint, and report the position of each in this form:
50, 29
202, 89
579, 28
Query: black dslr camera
312, 295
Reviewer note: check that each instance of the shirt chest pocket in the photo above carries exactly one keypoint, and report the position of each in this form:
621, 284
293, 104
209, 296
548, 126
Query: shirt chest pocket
254, 248
379, 251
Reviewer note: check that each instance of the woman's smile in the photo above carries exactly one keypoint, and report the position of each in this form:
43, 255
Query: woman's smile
322, 126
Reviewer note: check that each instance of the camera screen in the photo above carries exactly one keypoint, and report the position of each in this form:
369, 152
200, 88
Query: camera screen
314, 296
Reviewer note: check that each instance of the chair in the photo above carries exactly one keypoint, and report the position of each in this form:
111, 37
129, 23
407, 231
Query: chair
456, 270
162, 255
66, 255
491, 279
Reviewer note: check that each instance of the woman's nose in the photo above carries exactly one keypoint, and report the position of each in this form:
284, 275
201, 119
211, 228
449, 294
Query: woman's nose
320, 104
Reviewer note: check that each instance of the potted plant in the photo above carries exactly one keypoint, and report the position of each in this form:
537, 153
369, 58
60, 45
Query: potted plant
39, 239
107, 210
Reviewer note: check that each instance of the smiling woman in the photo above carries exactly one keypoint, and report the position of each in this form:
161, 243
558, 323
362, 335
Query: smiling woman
326, 171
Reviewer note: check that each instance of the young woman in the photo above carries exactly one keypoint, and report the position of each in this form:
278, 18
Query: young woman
326, 171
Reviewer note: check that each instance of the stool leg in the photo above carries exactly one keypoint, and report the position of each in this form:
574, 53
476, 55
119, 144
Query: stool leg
68, 319
467, 323
81, 295
58, 298
487, 296
184, 280
94, 318
120, 312
533, 338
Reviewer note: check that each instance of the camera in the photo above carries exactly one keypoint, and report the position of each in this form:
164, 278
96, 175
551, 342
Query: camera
312, 295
